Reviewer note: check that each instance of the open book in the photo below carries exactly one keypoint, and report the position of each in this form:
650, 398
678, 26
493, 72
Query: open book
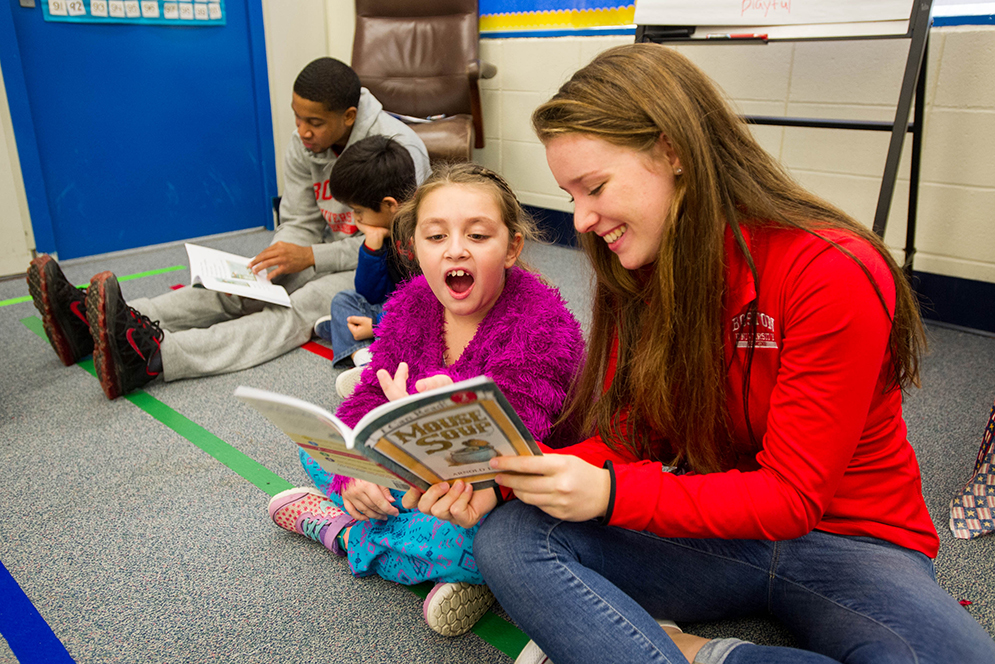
228, 273
444, 434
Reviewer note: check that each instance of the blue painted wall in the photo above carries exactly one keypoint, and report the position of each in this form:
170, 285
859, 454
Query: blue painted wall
141, 134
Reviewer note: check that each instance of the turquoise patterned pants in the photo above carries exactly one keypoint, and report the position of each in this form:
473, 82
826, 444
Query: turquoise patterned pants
409, 548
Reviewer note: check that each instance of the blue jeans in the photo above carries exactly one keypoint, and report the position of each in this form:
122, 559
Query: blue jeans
349, 303
586, 592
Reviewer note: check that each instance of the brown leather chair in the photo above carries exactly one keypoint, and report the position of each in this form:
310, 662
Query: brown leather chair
420, 59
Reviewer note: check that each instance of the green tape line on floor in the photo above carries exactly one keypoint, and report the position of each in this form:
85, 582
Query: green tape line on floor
261, 476
249, 469
127, 277
492, 628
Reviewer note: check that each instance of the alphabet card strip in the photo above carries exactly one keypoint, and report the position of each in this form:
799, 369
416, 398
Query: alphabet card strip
193, 13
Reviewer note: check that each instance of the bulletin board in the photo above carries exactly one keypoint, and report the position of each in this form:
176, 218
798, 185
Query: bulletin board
540, 17
150, 12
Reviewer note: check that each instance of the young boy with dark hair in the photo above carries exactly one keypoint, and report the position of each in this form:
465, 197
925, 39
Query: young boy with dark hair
373, 177
194, 332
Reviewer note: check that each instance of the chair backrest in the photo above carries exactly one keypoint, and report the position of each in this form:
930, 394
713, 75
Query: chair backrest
413, 55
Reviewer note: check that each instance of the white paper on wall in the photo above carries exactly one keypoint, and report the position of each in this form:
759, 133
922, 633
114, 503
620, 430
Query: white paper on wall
768, 12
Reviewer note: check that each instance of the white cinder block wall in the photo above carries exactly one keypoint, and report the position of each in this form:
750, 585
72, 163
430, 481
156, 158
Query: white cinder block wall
852, 79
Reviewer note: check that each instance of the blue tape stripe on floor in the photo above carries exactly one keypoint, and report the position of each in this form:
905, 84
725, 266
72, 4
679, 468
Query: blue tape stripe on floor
28, 635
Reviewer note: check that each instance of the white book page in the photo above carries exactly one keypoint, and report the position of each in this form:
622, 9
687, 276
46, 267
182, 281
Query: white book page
319, 433
229, 273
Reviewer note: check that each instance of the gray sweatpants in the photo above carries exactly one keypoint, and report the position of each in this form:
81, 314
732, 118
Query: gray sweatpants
209, 333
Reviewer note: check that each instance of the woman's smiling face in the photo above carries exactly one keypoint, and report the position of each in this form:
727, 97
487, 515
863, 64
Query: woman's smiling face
463, 247
620, 194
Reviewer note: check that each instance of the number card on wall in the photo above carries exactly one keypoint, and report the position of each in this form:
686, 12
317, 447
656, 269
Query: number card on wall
195, 13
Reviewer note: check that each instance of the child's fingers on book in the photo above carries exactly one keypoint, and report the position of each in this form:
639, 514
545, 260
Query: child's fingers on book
384, 509
442, 506
460, 505
371, 504
410, 498
387, 496
351, 509
430, 497
396, 386
432, 382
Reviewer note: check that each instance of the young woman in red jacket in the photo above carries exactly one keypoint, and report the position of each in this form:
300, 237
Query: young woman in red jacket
743, 397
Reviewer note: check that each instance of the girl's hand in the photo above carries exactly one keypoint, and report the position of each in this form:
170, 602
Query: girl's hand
396, 386
365, 500
458, 504
563, 486
360, 326
432, 382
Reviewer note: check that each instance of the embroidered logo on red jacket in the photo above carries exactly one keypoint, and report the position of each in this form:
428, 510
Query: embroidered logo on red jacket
742, 328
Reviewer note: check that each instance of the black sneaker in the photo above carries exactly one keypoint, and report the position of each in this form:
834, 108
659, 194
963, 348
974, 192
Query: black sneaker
63, 310
126, 343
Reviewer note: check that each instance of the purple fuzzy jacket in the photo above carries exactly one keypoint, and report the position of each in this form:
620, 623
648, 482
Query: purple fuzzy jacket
528, 343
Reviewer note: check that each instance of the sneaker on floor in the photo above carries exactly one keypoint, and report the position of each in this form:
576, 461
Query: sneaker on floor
452, 609
323, 328
125, 343
309, 512
346, 382
63, 310
533, 654
362, 357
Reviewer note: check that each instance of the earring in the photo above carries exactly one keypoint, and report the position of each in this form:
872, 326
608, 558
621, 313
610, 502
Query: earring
679, 171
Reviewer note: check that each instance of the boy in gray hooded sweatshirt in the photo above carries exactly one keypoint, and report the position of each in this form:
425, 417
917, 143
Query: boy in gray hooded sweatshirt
194, 332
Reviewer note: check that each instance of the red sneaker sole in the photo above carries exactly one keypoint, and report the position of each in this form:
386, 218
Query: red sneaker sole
96, 316
38, 287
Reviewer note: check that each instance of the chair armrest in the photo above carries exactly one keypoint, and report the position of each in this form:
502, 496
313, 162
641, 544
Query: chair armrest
477, 69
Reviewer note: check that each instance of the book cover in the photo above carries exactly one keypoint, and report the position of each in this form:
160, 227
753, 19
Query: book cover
444, 434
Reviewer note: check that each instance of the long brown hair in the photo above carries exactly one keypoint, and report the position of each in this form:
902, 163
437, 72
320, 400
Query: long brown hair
670, 381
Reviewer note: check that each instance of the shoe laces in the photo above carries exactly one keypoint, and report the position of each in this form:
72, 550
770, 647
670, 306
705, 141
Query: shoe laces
311, 526
146, 329
145, 338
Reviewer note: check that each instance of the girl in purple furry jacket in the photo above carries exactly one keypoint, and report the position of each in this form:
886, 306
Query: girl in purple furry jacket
472, 311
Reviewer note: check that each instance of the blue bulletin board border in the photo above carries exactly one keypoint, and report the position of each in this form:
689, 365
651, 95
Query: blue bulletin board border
187, 14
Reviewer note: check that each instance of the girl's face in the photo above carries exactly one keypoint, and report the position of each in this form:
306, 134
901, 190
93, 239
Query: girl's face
463, 247
620, 194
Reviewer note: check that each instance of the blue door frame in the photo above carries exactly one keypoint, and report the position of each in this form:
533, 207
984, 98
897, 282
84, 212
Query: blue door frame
130, 135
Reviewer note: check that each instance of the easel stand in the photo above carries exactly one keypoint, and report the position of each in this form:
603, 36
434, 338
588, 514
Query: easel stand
913, 91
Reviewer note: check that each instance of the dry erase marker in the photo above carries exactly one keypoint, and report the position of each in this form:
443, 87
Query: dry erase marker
741, 35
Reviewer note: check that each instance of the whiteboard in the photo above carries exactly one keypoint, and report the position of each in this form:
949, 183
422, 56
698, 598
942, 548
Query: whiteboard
780, 19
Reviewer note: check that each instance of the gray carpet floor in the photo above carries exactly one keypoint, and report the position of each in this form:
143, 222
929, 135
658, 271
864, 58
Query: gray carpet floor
136, 546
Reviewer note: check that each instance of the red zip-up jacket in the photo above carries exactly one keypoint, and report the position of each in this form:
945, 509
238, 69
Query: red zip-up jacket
832, 453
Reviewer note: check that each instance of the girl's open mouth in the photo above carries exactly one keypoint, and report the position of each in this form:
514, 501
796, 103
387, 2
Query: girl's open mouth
459, 282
